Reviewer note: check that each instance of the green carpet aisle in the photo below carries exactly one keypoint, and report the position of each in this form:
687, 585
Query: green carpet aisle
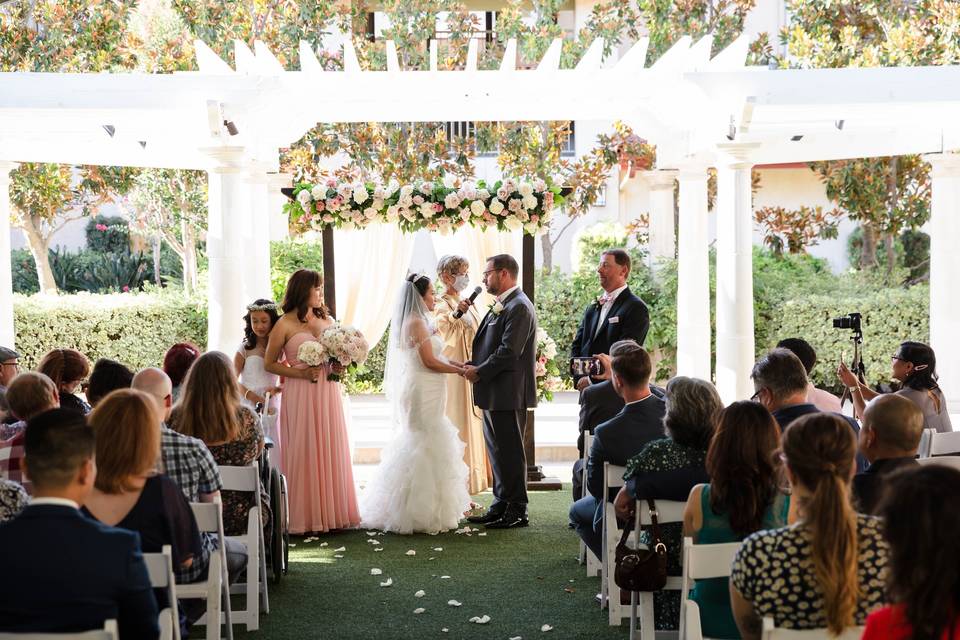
522, 579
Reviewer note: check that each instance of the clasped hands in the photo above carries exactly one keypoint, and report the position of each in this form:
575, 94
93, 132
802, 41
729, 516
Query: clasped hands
468, 371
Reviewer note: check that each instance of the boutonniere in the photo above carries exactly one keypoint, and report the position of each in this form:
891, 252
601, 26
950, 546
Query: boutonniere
496, 308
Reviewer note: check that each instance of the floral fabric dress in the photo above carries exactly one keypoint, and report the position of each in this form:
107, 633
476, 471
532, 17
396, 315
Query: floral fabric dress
240, 453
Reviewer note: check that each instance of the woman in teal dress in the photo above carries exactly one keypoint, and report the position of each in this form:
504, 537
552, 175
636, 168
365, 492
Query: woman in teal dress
745, 494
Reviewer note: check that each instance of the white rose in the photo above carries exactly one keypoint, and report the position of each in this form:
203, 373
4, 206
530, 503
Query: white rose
483, 194
526, 189
451, 201
406, 191
529, 202
319, 192
513, 224
550, 350
514, 205
496, 207
379, 193
426, 187
392, 187
393, 213
444, 226
465, 214
406, 201
477, 208
449, 181
360, 194
304, 197
531, 228
503, 193
348, 226
539, 185
370, 213
427, 210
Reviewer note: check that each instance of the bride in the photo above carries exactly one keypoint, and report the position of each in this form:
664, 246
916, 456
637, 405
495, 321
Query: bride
421, 484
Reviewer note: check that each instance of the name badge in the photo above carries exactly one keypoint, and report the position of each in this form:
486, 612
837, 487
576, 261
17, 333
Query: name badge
613, 320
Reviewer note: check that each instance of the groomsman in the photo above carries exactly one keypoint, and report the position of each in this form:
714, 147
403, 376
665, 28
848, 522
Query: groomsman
616, 315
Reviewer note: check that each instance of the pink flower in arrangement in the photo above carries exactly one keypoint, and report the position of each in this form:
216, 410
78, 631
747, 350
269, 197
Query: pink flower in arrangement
432, 226
438, 207
331, 183
534, 218
418, 200
320, 206
327, 218
488, 217
126, 288
101, 227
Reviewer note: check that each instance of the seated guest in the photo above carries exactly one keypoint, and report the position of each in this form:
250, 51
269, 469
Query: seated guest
129, 493
71, 573
889, 437
921, 522
177, 362
598, 403
915, 367
189, 463
210, 409
67, 368
828, 569
780, 382
106, 376
9, 368
667, 469
13, 498
30, 395
821, 399
618, 439
745, 494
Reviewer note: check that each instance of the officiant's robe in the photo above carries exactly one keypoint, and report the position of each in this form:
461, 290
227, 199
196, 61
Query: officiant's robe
458, 336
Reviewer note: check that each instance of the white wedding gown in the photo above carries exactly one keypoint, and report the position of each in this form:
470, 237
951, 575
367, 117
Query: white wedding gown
421, 483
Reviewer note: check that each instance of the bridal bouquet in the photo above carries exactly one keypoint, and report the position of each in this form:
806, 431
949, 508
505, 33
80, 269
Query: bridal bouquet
546, 368
312, 354
346, 346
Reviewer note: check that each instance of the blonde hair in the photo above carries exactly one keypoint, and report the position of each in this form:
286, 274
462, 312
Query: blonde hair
209, 401
451, 265
819, 450
127, 428
31, 393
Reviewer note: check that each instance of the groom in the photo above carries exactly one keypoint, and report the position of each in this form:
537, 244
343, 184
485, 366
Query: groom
504, 386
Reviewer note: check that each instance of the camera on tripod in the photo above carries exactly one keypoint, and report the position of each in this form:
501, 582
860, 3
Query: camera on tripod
850, 321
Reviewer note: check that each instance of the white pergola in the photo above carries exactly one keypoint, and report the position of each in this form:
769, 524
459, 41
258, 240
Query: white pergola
701, 112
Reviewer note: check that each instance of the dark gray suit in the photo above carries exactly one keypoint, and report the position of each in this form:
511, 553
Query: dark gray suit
504, 352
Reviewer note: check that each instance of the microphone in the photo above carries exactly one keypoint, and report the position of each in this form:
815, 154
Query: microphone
473, 296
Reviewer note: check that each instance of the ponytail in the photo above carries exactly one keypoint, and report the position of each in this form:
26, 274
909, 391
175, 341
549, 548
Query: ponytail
820, 450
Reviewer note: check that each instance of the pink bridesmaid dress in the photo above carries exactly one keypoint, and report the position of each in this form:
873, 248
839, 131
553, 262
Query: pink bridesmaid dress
316, 452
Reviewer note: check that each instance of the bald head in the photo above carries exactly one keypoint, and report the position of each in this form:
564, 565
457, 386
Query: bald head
156, 383
894, 425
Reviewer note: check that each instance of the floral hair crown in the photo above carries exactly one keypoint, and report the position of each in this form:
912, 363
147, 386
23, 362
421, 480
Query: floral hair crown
269, 306
417, 277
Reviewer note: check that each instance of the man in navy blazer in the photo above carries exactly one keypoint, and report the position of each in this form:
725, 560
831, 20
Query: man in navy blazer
620, 438
67, 573
616, 315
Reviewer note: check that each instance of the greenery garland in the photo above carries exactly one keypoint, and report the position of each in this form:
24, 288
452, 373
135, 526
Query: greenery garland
443, 206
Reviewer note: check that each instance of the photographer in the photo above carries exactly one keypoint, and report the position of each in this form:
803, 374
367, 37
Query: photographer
914, 366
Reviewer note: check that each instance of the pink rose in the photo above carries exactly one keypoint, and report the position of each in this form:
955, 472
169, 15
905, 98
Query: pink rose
320, 206
418, 200
438, 207
331, 183
126, 288
101, 227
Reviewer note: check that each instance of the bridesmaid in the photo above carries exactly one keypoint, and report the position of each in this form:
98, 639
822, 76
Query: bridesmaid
457, 334
316, 452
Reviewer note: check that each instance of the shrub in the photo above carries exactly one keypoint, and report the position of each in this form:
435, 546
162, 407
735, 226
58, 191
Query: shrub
286, 256
108, 234
135, 329
890, 316
24, 272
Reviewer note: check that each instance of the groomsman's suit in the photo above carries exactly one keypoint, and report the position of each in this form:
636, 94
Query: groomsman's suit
504, 352
625, 317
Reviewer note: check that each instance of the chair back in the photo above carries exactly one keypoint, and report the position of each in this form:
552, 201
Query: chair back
160, 570
245, 478
109, 632
942, 444
701, 562
949, 461
771, 632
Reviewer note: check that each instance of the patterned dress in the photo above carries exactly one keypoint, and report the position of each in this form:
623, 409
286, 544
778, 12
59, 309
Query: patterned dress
774, 571
13, 498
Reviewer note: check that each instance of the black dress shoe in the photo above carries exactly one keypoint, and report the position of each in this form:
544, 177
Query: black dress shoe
510, 520
492, 515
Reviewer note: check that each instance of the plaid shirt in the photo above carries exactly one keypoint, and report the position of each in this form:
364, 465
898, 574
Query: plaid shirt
11, 459
189, 463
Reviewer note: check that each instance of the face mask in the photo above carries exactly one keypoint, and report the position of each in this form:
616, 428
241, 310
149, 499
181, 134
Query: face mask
461, 283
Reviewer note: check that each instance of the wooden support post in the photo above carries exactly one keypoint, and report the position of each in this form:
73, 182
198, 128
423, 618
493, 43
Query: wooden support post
329, 272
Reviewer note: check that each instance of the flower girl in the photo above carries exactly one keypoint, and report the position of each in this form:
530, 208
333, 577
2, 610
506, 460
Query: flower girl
255, 381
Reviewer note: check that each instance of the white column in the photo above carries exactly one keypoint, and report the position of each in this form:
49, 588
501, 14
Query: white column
257, 234
693, 276
7, 334
662, 234
279, 229
228, 196
735, 340
945, 272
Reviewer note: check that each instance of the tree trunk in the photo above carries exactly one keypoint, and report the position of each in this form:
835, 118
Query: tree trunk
547, 247
868, 246
157, 244
189, 235
888, 243
40, 250
891, 217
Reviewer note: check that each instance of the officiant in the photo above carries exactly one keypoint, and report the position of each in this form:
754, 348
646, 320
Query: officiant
457, 334
616, 315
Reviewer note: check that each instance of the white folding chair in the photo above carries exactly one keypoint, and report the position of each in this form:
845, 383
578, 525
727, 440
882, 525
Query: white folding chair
160, 570
943, 444
641, 604
701, 562
771, 632
109, 632
247, 479
926, 443
949, 461
612, 479
592, 561
215, 589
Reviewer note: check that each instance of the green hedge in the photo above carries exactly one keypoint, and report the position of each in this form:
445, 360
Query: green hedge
134, 328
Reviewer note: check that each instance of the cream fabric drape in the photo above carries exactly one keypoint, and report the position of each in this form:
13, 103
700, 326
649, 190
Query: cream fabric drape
476, 246
371, 264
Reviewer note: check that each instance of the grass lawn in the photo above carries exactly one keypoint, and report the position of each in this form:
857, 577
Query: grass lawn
521, 578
